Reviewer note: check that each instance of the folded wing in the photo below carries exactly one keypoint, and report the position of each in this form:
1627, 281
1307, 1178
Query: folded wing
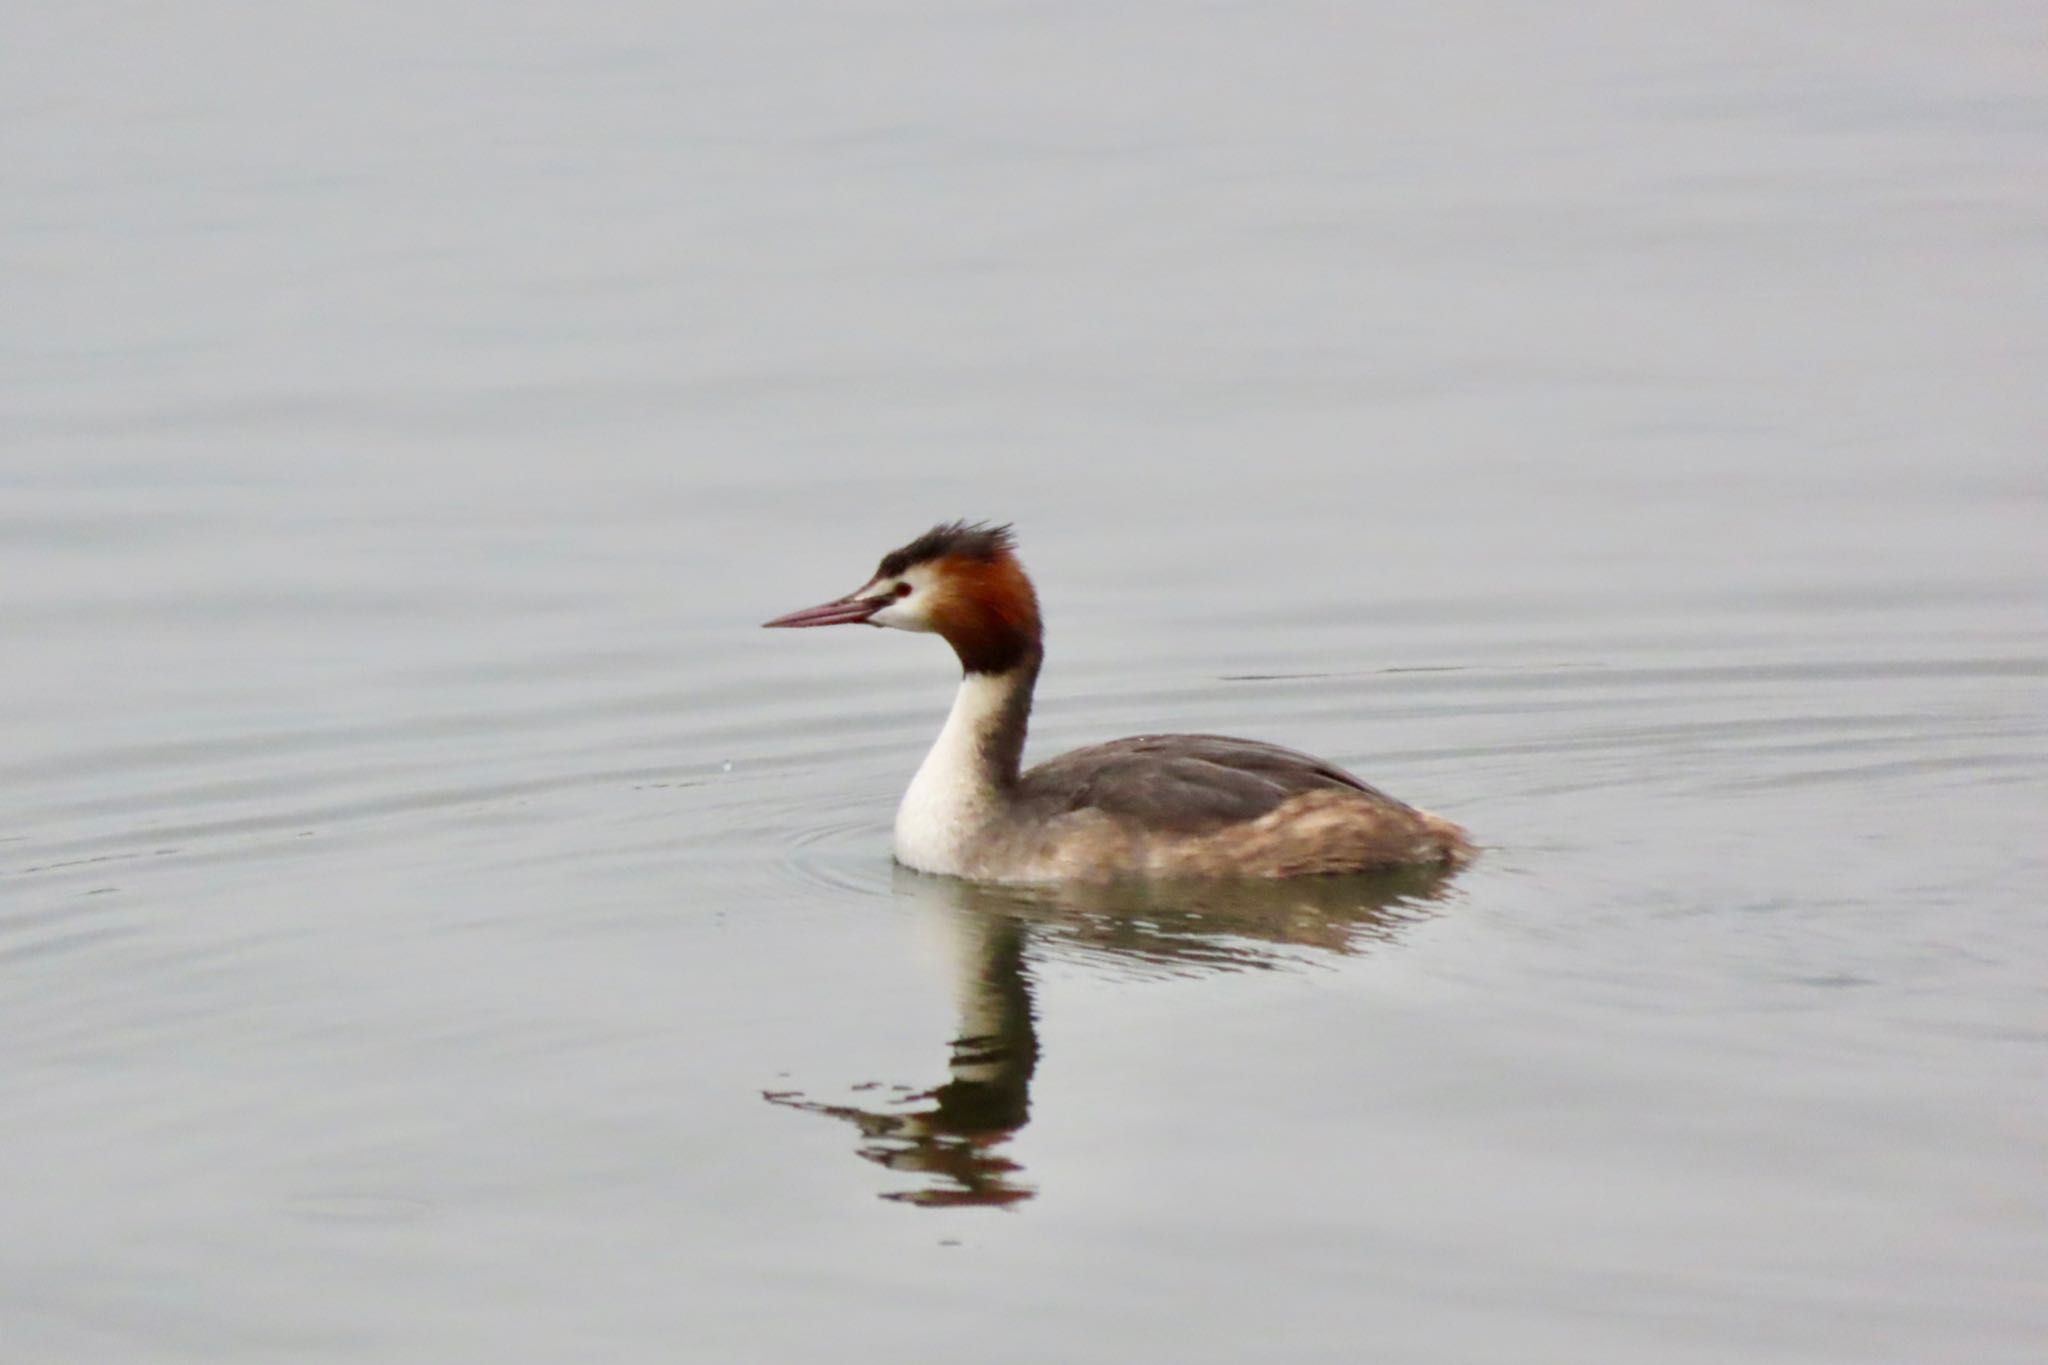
1184, 783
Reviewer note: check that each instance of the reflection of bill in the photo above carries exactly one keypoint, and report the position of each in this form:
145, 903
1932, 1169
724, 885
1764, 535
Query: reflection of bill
954, 1135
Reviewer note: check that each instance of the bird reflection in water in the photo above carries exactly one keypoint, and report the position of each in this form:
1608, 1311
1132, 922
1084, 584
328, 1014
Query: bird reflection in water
954, 1136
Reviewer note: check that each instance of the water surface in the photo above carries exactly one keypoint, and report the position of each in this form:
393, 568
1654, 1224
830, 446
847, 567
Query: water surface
436, 925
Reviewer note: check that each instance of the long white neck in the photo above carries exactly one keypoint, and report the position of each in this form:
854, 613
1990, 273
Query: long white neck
965, 780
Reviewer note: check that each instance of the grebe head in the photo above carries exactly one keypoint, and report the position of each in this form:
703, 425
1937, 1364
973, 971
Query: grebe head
959, 580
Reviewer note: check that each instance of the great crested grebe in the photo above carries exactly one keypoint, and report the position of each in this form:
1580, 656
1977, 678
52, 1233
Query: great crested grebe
1148, 806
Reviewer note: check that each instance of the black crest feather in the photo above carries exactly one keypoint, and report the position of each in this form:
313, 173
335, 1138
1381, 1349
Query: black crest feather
969, 539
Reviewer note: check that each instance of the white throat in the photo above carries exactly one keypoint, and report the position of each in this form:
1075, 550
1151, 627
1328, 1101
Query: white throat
955, 794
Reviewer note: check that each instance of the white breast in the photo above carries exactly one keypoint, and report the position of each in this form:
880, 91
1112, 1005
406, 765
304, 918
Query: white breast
951, 800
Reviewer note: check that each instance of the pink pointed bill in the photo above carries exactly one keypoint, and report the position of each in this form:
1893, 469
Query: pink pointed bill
844, 611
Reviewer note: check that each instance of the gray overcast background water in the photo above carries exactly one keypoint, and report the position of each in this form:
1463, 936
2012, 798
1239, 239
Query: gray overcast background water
1619, 427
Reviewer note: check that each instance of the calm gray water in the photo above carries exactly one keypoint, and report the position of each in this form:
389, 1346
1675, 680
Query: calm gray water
436, 925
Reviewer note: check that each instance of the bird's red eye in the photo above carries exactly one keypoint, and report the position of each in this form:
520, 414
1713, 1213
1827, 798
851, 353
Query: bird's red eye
900, 590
